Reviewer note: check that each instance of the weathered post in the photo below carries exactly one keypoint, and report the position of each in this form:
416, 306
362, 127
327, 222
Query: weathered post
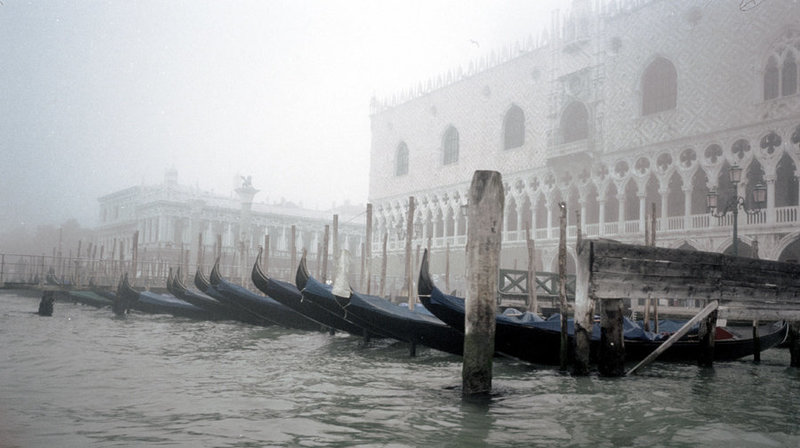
266, 253
705, 334
293, 249
218, 254
612, 345
533, 300
335, 238
324, 275
363, 266
484, 237
794, 343
584, 308
319, 260
368, 249
447, 268
200, 249
46, 303
562, 284
409, 267
2, 268
756, 342
383, 265
134, 255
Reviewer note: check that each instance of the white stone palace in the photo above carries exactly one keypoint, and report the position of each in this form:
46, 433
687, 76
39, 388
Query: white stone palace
170, 218
619, 105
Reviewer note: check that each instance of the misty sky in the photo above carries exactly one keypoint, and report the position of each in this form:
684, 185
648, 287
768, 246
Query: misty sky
102, 95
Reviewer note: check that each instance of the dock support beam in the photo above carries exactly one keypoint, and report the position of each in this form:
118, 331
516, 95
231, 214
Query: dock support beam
794, 343
484, 223
584, 310
708, 328
611, 360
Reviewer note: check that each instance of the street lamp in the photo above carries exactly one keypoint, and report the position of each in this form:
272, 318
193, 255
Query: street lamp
735, 203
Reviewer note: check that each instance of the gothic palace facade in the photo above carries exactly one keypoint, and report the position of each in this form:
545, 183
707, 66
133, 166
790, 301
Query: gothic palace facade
620, 105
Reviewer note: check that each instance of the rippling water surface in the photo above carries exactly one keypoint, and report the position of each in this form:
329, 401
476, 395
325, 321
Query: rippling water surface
86, 378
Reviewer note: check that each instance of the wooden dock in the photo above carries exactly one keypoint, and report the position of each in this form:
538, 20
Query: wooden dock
609, 272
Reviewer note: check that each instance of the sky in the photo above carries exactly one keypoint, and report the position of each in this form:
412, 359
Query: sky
98, 96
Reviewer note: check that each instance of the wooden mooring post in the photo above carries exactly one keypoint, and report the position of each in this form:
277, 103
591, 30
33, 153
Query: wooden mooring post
409, 265
325, 238
533, 299
368, 250
383, 265
562, 283
485, 218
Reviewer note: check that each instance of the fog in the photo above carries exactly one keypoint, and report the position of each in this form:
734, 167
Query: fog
99, 96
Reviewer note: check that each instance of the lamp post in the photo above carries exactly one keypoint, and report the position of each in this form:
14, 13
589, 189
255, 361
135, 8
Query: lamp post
735, 203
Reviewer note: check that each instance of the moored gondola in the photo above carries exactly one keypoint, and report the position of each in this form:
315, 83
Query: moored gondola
148, 302
264, 307
220, 310
416, 327
535, 340
320, 295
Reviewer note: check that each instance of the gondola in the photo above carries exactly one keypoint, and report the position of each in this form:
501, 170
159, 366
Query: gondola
288, 295
149, 302
264, 307
320, 295
89, 298
414, 327
218, 309
536, 340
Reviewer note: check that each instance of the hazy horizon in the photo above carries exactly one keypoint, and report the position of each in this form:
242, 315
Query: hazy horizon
104, 95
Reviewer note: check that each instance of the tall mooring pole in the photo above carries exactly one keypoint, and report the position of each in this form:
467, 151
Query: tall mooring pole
485, 220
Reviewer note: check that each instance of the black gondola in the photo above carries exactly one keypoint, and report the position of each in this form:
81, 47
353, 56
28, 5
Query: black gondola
416, 326
319, 294
264, 307
148, 302
218, 309
535, 340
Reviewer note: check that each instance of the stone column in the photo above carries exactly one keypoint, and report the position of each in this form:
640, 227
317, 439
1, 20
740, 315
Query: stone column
770, 179
601, 216
687, 206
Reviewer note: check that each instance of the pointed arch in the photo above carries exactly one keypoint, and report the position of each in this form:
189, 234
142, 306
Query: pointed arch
514, 128
574, 122
786, 187
450, 146
631, 201
699, 192
659, 86
675, 196
401, 160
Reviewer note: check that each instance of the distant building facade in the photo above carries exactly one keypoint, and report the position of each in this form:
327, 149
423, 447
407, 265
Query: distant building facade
622, 104
171, 218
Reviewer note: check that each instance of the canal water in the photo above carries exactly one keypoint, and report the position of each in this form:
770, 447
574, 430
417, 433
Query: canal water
85, 378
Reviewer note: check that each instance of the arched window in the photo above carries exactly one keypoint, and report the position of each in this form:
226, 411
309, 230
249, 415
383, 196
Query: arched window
575, 122
771, 80
780, 72
401, 160
659, 87
450, 146
514, 128
789, 75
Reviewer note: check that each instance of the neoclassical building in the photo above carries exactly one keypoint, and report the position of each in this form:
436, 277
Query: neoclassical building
619, 105
171, 217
